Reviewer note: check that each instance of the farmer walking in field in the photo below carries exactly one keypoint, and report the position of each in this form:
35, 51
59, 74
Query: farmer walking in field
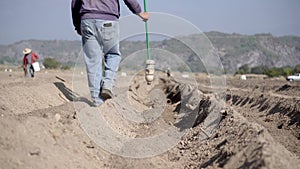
97, 23
29, 58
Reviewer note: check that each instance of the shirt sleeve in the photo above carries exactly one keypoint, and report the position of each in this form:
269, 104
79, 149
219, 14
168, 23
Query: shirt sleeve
24, 61
75, 9
35, 56
133, 6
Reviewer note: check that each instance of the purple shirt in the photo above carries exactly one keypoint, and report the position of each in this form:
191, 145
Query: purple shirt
100, 9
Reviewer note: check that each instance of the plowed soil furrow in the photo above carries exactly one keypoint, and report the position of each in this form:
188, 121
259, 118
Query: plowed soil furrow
275, 106
258, 127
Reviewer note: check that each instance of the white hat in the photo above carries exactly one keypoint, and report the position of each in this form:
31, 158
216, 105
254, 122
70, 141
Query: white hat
26, 51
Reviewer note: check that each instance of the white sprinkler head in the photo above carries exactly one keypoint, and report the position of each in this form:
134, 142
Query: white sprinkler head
149, 72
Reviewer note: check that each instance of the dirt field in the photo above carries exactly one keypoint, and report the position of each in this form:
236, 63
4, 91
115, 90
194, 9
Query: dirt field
47, 122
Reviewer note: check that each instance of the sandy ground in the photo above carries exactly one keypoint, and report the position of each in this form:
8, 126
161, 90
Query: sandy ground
47, 122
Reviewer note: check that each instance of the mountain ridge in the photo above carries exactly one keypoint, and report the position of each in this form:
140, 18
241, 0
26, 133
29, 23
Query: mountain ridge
234, 50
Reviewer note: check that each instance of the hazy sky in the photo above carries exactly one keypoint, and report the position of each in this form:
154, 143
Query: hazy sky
51, 19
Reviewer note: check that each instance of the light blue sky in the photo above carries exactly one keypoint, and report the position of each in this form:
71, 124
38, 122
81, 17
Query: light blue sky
51, 19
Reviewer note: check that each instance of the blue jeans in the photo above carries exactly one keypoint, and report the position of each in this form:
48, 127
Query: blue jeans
100, 38
29, 70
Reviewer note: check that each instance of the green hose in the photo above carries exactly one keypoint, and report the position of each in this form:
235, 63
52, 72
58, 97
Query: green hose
147, 36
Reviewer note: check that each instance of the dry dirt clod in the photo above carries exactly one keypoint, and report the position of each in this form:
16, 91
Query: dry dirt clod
35, 152
57, 117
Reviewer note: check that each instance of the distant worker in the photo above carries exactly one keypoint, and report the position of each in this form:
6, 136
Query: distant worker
168, 71
29, 58
97, 23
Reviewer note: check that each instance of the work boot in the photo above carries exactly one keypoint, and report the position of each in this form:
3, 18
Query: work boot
106, 94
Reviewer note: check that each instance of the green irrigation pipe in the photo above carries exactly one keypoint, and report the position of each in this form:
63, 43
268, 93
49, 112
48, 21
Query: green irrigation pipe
147, 36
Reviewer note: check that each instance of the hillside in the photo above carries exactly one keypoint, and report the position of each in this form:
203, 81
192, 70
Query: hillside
63, 51
234, 50
261, 49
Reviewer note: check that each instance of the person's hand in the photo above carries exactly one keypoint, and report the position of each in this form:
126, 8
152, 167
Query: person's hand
144, 15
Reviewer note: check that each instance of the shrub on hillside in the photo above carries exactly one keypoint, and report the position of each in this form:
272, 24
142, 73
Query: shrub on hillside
273, 72
259, 69
51, 63
269, 71
65, 67
6, 59
276, 72
286, 71
297, 69
243, 70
